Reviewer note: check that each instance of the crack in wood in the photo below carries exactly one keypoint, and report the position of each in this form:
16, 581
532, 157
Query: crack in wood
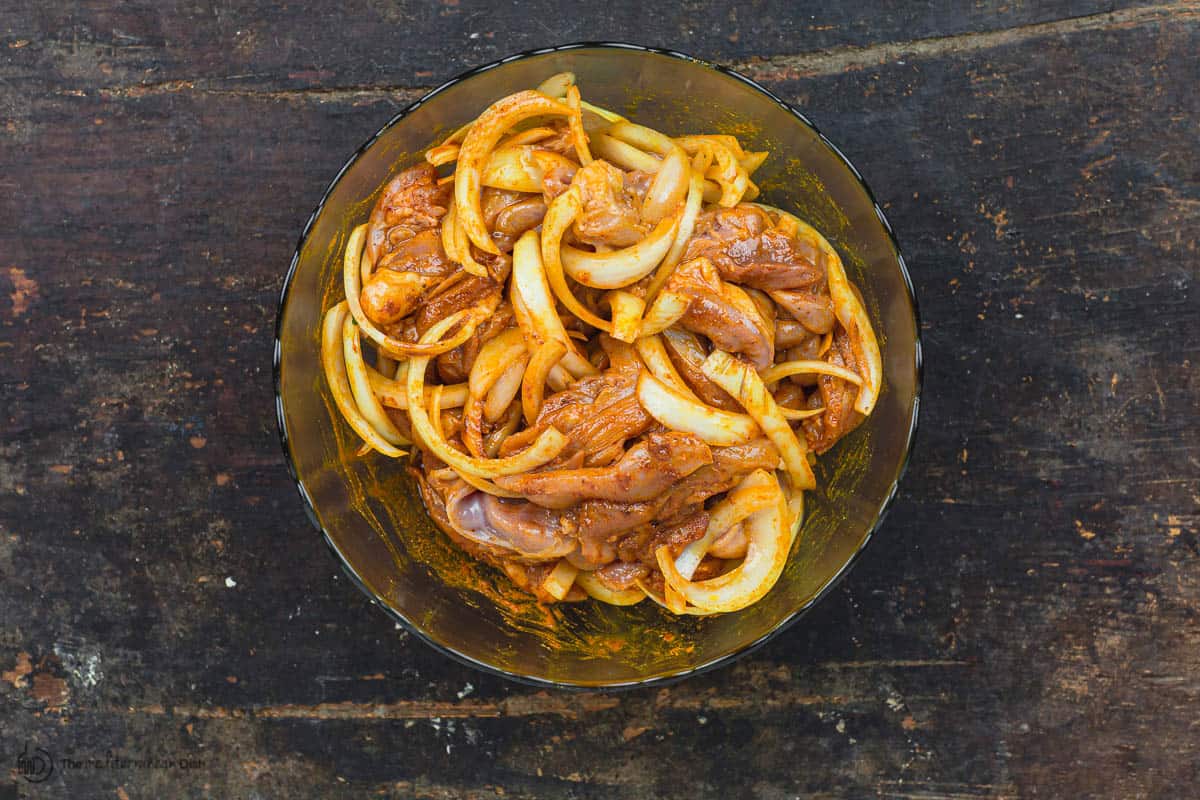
845, 59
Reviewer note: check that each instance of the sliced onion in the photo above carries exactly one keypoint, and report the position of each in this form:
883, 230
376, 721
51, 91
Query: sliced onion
769, 539
533, 386
786, 369
521, 168
615, 597
623, 155
603, 113
559, 216
462, 245
512, 169
642, 137
527, 136
654, 356
472, 422
724, 139
673, 410
579, 137
505, 390
683, 233
442, 154
793, 414
482, 484
534, 306
754, 493
741, 381
360, 386
626, 315
560, 579
557, 84
449, 237
491, 445
669, 187
333, 363
496, 355
853, 316
662, 601
615, 269
549, 444
477, 146
665, 311
726, 170
622, 267
392, 394
385, 365
752, 161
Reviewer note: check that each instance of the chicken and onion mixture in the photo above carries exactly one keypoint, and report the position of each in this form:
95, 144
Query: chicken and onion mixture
613, 368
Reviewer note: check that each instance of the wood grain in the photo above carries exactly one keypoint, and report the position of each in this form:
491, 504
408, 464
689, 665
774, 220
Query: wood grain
1026, 625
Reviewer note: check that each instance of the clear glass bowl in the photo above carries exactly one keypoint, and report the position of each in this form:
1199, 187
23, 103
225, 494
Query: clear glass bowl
368, 509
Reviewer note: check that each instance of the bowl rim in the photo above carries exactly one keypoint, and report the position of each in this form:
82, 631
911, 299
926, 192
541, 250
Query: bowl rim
655, 680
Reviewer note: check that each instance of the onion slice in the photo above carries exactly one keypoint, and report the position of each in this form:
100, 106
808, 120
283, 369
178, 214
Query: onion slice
482, 484
505, 389
669, 186
623, 155
496, 355
712, 425
392, 394
578, 136
442, 154
667, 309
741, 381
360, 386
619, 268
777, 372
754, 493
769, 540
614, 597
486, 131
654, 356
556, 85
641, 137
726, 170
683, 233
559, 216
533, 386
793, 414
560, 579
333, 363
662, 601
534, 306
521, 168
602, 113
549, 444
626, 315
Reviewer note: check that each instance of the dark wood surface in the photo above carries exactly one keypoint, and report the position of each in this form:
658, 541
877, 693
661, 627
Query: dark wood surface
1026, 624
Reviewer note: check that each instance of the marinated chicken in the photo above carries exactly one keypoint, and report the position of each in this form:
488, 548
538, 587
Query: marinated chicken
555, 444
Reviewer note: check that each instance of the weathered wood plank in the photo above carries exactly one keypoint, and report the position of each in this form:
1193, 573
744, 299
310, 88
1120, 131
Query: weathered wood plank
140, 46
1030, 607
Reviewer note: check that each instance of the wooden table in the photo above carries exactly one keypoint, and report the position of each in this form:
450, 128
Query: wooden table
1027, 623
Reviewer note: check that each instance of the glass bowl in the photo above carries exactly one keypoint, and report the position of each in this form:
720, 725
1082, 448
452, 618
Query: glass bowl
368, 509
